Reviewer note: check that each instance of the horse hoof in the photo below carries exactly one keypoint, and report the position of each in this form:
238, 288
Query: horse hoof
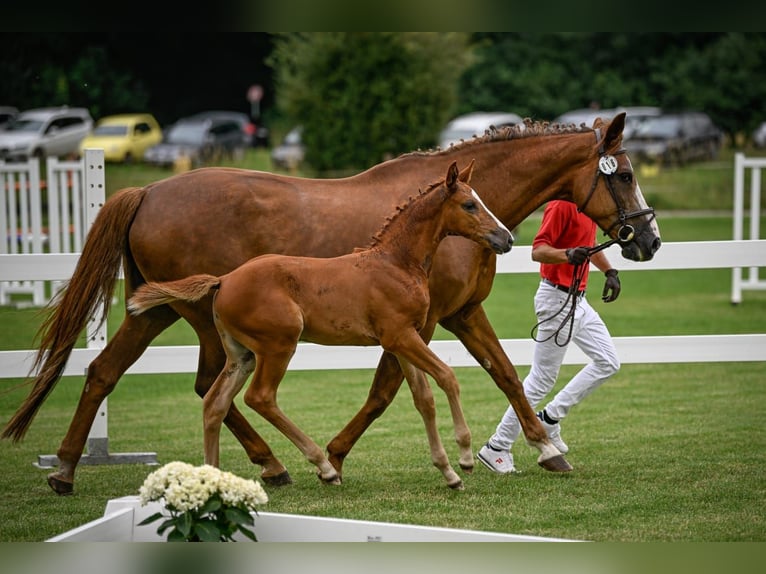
281, 479
332, 479
59, 486
457, 485
555, 464
467, 468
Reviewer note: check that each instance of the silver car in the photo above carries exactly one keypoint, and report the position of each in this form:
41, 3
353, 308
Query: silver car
45, 132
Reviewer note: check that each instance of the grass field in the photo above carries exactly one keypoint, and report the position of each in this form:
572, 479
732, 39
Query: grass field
673, 452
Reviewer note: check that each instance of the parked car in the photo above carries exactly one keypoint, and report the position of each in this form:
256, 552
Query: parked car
45, 132
7, 113
201, 139
124, 137
475, 124
676, 139
247, 126
759, 135
290, 153
585, 116
636, 116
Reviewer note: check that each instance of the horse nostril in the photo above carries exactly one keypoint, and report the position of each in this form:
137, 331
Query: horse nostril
656, 245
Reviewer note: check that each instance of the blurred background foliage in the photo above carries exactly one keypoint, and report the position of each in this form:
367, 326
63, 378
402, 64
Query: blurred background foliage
363, 97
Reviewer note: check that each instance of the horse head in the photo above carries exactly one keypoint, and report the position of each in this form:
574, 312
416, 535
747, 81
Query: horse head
465, 213
608, 193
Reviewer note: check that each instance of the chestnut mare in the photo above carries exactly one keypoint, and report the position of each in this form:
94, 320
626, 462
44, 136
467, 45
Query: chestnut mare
184, 225
375, 296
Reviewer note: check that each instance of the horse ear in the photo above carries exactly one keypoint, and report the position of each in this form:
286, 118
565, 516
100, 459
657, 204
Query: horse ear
452, 175
465, 175
613, 135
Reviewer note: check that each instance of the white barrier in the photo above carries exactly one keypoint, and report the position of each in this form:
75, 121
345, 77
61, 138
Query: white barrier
756, 165
122, 517
24, 207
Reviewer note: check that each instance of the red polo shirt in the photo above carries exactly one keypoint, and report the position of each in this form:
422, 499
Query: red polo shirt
563, 227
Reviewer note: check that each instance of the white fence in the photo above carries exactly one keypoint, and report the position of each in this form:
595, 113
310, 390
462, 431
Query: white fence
26, 205
741, 165
739, 253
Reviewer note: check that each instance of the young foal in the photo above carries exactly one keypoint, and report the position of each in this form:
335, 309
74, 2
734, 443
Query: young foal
375, 296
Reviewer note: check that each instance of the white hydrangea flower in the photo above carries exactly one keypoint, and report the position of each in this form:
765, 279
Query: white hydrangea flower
184, 487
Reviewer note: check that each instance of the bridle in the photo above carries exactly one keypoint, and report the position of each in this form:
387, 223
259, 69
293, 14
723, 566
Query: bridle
607, 167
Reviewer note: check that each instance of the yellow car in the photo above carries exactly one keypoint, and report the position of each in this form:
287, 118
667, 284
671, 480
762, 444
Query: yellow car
124, 137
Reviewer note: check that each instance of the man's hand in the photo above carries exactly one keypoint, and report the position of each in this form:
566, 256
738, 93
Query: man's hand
611, 287
577, 255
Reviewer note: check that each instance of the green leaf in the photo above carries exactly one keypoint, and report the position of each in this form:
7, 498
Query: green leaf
165, 525
207, 531
152, 518
176, 536
213, 504
249, 533
239, 516
185, 523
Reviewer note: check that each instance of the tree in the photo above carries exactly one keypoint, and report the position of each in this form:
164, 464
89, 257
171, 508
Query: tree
364, 97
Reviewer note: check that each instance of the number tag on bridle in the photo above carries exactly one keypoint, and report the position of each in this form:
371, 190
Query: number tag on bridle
607, 164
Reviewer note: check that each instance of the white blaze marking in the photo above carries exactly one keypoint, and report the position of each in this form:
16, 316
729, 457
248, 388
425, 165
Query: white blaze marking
499, 223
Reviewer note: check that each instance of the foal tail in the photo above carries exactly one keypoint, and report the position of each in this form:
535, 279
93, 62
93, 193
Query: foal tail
191, 289
89, 288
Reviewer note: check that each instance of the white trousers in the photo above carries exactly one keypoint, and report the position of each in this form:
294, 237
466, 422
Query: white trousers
589, 333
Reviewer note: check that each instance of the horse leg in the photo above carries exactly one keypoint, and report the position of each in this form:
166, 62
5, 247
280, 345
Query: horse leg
424, 403
218, 400
261, 395
127, 345
475, 332
388, 378
211, 361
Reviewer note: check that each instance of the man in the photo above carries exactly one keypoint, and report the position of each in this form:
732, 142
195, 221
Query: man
561, 246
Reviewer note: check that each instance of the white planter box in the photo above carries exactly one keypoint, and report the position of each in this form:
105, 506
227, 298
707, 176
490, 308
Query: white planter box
122, 515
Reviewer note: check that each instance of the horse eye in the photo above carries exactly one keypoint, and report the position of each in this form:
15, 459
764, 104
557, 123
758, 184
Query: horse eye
470, 206
626, 177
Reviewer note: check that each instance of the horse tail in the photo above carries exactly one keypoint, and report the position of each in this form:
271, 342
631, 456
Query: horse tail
90, 287
191, 289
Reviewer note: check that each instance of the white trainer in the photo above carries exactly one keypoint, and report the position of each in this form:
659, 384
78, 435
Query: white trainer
495, 460
554, 434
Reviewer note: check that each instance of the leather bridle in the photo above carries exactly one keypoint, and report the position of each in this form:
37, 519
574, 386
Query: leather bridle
607, 167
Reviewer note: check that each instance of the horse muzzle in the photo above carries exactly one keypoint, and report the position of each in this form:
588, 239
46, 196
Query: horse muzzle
641, 248
500, 241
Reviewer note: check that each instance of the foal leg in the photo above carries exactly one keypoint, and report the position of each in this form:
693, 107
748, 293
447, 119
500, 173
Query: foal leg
211, 361
388, 378
475, 332
218, 400
261, 395
424, 403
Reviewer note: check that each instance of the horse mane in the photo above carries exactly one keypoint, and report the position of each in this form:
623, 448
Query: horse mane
378, 237
530, 129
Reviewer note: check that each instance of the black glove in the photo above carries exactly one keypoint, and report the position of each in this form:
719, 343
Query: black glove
612, 284
577, 255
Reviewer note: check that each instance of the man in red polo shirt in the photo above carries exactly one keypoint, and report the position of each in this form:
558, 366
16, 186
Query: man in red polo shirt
561, 247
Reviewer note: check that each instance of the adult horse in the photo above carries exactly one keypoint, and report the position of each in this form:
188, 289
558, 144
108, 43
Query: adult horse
182, 225
374, 296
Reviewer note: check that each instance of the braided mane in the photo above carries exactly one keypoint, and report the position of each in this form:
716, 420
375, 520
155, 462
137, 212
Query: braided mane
493, 134
378, 237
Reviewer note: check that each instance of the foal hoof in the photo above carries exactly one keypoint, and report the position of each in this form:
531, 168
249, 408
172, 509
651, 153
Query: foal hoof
467, 468
333, 479
457, 485
281, 479
59, 486
555, 464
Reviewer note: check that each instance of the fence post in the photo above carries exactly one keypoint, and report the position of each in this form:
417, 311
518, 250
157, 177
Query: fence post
741, 163
94, 184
